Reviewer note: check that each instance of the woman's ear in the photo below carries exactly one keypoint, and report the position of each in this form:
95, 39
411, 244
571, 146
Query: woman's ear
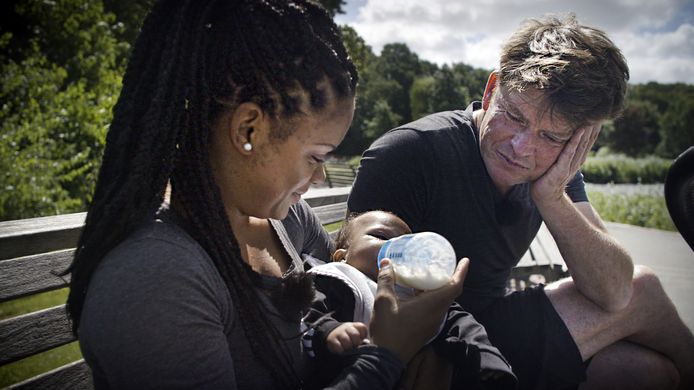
247, 121
339, 255
489, 90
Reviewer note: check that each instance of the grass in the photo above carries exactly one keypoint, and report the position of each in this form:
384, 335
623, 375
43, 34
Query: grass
32, 303
639, 205
33, 365
618, 168
333, 226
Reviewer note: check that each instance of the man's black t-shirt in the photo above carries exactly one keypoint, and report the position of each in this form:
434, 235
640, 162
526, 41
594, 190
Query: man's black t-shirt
431, 174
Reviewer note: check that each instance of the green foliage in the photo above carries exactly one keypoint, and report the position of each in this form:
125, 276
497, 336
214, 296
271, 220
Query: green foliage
398, 65
677, 127
441, 92
634, 209
397, 87
62, 62
383, 118
130, 14
675, 103
622, 169
333, 6
421, 96
635, 133
57, 95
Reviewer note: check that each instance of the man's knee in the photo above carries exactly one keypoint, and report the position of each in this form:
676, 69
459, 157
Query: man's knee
646, 284
624, 365
649, 300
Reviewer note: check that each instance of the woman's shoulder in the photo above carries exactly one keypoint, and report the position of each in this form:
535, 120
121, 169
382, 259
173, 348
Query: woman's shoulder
157, 311
158, 243
158, 260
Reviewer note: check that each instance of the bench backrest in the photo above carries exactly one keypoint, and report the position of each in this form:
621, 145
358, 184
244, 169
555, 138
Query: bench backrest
339, 174
33, 251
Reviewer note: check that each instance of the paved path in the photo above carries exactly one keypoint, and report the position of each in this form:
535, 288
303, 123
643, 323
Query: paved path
669, 256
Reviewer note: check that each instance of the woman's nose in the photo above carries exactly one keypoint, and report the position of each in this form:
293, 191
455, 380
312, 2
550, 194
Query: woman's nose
318, 176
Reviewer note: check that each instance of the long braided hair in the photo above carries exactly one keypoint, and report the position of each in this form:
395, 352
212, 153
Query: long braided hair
192, 60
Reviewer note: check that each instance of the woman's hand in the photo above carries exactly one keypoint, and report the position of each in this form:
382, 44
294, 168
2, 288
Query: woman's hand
427, 370
403, 327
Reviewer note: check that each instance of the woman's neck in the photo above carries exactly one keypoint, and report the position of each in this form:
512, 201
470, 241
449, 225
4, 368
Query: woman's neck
260, 247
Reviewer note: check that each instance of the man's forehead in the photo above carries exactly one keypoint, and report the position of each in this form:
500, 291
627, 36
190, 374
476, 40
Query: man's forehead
533, 105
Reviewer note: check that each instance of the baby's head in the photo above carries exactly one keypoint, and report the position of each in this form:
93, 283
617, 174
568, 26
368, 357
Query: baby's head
363, 235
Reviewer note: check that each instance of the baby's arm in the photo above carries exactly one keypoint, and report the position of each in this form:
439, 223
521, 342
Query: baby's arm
347, 336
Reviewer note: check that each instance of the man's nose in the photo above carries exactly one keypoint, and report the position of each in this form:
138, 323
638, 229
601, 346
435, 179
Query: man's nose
523, 143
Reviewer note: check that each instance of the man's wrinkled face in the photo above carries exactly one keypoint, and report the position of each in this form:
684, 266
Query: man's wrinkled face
519, 138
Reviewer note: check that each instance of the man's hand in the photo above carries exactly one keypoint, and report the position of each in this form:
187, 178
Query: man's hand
346, 336
551, 186
404, 326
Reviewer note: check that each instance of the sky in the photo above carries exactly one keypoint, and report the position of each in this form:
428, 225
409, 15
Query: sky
655, 36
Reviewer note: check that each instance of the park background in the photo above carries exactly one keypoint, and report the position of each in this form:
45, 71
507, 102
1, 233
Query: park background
62, 63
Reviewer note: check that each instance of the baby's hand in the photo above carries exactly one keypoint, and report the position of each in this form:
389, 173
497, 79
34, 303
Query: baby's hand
348, 335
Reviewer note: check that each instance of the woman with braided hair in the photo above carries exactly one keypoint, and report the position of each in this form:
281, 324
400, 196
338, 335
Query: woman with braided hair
234, 105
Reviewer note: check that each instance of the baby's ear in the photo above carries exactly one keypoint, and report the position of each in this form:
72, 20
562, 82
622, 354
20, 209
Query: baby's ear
339, 254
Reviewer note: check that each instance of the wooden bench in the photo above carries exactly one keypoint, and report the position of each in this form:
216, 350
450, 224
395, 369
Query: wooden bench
339, 174
33, 250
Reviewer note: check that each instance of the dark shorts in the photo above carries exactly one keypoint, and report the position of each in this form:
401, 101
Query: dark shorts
534, 339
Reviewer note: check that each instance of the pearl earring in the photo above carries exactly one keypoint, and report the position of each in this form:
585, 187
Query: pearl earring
247, 147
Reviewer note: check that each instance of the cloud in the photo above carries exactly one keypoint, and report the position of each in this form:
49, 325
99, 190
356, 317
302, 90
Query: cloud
444, 31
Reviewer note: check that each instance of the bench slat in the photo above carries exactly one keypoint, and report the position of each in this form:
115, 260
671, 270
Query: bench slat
339, 174
33, 274
37, 235
33, 333
546, 249
325, 196
76, 375
331, 213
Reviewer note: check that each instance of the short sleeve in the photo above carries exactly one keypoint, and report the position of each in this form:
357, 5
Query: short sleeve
392, 176
156, 316
306, 232
576, 189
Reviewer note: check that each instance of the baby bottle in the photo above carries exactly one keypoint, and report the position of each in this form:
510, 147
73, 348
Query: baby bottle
423, 261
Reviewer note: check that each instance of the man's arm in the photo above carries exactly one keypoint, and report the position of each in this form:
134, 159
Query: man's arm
602, 270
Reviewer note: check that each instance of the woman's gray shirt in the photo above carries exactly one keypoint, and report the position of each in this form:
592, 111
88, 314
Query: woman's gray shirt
158, 315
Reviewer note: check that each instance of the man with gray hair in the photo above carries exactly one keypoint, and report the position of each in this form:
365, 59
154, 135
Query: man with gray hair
488, 176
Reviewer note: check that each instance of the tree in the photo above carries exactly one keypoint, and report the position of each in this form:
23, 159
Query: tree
449, 91
635, 133
474, 79
355, 141
361, 53
677, 128
383, 119
334, 7
421, 96
399, 64
57, 93
129, 14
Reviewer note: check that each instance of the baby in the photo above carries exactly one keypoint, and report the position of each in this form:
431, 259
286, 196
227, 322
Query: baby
346, 288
